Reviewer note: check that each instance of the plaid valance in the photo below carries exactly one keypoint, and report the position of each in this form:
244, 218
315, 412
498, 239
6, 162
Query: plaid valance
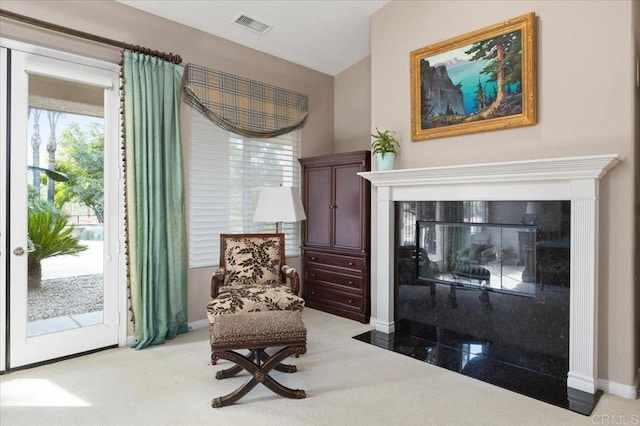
242, 106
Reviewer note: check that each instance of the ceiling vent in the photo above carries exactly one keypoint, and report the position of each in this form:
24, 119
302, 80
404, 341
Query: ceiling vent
252, 24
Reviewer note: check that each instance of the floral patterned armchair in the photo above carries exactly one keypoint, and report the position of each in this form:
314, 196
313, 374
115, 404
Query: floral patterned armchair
252, 277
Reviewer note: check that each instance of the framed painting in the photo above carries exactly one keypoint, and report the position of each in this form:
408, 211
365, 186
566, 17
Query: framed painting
483, 80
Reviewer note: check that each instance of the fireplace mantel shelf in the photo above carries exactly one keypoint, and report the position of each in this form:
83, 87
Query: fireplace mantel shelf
570, 178
585, 167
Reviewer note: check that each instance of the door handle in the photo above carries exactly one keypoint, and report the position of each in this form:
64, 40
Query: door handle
18, 251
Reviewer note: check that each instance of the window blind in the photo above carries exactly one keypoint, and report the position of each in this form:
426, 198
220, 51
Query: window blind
226, 172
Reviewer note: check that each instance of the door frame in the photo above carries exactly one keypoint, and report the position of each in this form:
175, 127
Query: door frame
4, 217
113, 173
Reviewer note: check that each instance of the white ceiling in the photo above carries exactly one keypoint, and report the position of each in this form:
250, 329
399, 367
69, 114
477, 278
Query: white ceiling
325, 35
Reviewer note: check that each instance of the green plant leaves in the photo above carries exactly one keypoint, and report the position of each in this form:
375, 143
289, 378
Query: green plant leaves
383, 142
51, 236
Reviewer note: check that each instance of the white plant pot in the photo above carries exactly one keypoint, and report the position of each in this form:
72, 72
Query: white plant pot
386, 162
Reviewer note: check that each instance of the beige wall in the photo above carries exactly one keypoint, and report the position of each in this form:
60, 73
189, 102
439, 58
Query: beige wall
113, 20
586, 80
352, 107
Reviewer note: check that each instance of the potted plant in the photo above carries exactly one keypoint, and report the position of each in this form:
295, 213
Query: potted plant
385, 147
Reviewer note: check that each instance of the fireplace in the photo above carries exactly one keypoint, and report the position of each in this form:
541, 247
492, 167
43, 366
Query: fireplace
476, 283
574, 179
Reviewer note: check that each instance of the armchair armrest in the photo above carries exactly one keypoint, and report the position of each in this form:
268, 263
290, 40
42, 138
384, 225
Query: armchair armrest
217, 281
294, 278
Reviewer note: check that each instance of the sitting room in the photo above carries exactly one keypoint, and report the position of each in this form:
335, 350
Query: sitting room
487, 274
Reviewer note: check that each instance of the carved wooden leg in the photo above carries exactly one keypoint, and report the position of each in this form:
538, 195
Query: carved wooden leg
283, 368
229, 372
260, 374
274, 361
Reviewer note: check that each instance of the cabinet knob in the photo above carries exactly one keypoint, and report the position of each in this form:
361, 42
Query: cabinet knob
351, 301
313, 292
350, 282
313, 275
351, 263
313, 258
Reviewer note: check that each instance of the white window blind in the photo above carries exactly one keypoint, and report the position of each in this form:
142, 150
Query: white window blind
226, 172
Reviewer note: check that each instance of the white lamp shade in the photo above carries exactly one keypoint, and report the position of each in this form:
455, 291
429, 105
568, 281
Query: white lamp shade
279, 204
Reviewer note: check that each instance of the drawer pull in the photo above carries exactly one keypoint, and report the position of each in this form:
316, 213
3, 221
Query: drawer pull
351, 301
313, 275
313, 258
313, 292
350, 282
352, 263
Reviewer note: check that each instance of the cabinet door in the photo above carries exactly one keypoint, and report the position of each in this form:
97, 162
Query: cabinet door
348, 207
318, 206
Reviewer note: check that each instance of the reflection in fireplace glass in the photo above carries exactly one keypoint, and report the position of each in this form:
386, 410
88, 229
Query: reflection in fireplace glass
488, 256
529, 239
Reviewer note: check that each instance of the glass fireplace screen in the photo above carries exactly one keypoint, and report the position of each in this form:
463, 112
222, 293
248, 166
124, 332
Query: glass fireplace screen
487, 256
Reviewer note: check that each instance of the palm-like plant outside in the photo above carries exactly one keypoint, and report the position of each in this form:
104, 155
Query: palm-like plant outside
50, 236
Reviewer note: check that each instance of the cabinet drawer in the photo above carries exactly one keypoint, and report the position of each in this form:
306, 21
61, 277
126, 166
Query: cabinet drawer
324, 277
355, 264
332, 297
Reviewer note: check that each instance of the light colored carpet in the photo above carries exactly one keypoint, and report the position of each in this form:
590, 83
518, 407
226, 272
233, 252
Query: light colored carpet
348, 382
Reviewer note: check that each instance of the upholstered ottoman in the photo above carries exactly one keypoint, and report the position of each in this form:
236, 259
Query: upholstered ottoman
257, 331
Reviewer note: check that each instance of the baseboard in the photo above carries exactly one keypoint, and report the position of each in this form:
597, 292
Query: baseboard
614, 388
195, 325
373, 321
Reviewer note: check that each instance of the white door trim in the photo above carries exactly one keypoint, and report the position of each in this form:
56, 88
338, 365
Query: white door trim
3, 208
101, 74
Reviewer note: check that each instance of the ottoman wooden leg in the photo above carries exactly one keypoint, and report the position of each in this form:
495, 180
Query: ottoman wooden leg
256, 355
260, 374
283, 368
229, 372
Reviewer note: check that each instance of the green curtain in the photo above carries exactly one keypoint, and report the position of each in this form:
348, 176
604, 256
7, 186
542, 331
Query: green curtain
155, 202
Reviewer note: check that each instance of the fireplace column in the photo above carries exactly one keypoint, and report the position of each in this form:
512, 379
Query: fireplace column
384, 262
583, 314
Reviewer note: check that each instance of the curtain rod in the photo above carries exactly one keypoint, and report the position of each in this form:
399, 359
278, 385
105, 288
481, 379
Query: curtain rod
170, 57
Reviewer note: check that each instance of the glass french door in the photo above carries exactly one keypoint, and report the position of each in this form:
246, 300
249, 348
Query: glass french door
64, 215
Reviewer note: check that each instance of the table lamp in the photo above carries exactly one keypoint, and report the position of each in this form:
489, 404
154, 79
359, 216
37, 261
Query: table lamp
279, 204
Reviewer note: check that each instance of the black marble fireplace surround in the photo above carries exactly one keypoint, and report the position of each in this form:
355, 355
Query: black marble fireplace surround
518, 341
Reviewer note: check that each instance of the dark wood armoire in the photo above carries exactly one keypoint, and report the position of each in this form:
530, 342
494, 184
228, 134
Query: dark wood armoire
336, 234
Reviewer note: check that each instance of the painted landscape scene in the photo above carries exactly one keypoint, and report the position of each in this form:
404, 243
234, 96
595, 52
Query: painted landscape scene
479, 81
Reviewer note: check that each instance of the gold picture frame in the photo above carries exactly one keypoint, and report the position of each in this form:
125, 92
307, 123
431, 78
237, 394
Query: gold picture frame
480, 81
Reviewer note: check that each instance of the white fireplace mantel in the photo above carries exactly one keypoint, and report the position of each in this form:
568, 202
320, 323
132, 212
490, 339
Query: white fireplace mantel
570, 178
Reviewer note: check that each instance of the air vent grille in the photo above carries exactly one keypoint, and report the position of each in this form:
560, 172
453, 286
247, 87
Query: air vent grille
251, 24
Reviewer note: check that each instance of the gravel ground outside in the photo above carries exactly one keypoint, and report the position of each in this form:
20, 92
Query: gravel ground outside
66, 296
